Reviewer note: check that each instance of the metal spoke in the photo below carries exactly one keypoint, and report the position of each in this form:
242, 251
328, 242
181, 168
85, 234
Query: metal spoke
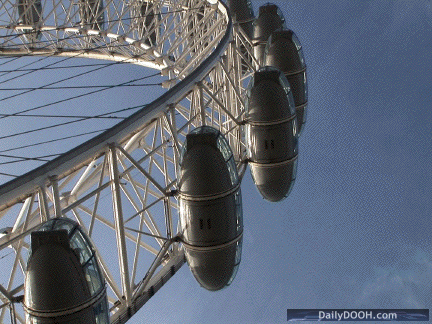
121, 186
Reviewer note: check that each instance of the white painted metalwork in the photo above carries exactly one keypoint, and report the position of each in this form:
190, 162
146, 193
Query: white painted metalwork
121, 185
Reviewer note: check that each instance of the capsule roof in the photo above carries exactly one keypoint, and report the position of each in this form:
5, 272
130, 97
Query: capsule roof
62, 277
75, 239
271, 8
211, 137
270, 18
287, 48
242, 9
270, 73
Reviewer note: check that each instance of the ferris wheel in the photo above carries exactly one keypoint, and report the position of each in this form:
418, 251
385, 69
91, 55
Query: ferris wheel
161, 187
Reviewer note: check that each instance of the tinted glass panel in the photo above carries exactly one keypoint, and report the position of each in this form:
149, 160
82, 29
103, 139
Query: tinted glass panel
80, 246
296, 42
305, 86
282, 18
101, 312
232, 171
204, 130
237, 261
224, 147
48, 226
93, 277
239, 211
285, 84
63, 224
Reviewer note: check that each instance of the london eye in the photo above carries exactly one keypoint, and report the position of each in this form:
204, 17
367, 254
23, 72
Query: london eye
161, 187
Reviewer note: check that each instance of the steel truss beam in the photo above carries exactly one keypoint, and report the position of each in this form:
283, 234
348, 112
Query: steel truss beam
121, 185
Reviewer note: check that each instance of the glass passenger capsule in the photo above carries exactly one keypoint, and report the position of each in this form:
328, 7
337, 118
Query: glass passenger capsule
30, 14
243, 12
146, 21
284, 51
196, 26
63, 282
270, 18
210, 208
271, 133
91, 14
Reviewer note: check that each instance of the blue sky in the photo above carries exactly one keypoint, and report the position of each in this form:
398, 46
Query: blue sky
355, 232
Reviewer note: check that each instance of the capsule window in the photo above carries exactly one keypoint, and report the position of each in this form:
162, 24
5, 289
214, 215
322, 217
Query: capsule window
62, 224
237, 261
80, 246
49, 225
101, 312
296, 41
305, 85
201, 221
239, 211
209, 223
281, 16
224, 147
30, 12
93, 278
285, 83
232, 169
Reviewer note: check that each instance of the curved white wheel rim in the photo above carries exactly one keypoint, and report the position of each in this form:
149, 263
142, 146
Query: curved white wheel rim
121, 185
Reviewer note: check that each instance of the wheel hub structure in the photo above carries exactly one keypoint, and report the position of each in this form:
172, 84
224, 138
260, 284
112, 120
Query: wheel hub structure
121, 186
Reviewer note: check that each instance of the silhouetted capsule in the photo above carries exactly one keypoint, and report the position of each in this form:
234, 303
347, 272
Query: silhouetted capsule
30, 14
242, 12
63, 283
271, 133
196, 26
210, 208
91, 14
270, 18
146, 21
284, 51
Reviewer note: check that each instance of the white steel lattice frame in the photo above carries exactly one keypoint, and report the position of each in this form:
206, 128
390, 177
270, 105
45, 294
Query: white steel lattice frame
121, 185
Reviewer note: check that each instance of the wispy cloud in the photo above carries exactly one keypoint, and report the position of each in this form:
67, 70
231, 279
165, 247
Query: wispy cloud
404, 284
